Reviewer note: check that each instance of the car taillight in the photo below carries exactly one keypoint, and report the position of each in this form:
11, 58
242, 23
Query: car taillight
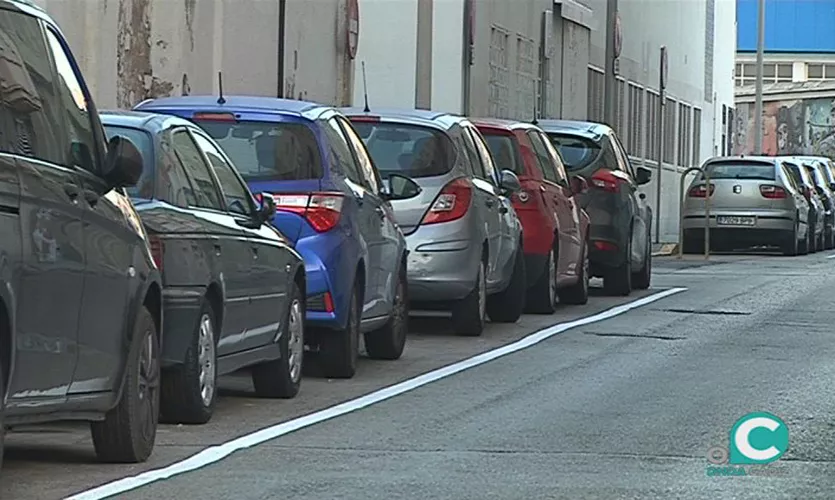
364, 119
773, 192
452, 203
155, 245
606, 180
321, 210
700, 191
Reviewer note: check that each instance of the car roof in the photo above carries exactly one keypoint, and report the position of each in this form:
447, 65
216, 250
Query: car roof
773, 160
440, 119
590, 130
30, 8
234, 103
152, 122
503, 124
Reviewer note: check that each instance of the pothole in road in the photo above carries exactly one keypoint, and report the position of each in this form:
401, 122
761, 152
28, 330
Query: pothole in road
717, 312
633, 335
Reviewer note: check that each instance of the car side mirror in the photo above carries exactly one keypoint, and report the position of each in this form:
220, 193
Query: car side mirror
578, 184
643, 175
509, 182
400, 187
266, 207
123, 165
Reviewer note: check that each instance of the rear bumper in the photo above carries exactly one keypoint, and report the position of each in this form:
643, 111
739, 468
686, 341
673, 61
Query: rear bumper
779, 220
443, 262
330, 265
534, 266
607, 246
742, 237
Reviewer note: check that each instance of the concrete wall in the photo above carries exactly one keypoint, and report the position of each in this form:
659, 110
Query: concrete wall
448, 56
133, 49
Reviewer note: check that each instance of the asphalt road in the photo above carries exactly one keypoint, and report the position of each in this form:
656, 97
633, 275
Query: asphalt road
626, 407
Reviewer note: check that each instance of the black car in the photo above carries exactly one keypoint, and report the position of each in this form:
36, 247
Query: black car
233, 287
621, 220
80, 295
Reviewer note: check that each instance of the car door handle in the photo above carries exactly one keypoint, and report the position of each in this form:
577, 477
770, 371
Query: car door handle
542, 188
72, 190
92, 197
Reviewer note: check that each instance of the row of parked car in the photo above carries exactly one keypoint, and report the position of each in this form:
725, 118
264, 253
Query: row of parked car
138, 266
786, 202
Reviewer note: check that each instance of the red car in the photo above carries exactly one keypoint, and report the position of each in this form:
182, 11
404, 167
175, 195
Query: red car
555, 228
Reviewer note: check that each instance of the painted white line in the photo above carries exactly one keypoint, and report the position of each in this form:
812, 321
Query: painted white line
217, 453
831, 256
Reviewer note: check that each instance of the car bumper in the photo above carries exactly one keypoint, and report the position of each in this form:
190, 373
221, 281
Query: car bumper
329, 268
442, 263
779, 220
534, 266
182, 307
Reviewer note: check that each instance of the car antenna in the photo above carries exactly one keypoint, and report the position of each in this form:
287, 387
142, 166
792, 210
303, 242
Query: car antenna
535, 121
220, 99
365, 89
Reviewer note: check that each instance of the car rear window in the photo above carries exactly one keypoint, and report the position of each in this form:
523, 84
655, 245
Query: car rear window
144, 143
268, 151
577, 152
504, 151
412, 150
741, 170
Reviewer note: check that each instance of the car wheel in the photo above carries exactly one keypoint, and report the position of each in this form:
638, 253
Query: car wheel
642, 279
542, 296
578, 293
468, 316
188, 392
820, 243
790, 247
508, 305
339, 350
618, 281
805, 243
128, 431
282, 377
389, 341
2, 412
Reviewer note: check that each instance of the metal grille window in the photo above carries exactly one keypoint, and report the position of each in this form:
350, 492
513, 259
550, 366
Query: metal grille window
684, 137
697, 137
595, 95
499, 74
652, 125
621, 118
669, 131
636, 121
527, 79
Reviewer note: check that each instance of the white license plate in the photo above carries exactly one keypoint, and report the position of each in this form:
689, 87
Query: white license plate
733, 220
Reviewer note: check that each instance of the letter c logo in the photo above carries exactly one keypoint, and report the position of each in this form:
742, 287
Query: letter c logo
758, 438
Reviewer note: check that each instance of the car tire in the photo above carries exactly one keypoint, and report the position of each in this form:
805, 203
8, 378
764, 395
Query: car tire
791, 247
805, 243
578, 293
189, 391
820, 245
339, 350
388, 342
282, 377
2, 411
643, 278
541, 298
128, 432
508, 305
618, 281
469, 314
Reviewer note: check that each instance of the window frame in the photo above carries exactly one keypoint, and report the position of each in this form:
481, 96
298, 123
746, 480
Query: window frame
483, 151
357, 148
534, 137
559, 165
209, 170
329, 130
235, 174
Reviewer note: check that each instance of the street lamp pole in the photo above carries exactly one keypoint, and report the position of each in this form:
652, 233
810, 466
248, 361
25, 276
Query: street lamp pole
610, 80
758, 103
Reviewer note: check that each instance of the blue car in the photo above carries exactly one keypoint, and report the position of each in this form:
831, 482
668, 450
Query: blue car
331, 204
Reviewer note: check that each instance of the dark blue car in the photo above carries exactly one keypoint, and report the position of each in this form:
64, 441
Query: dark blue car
331, 204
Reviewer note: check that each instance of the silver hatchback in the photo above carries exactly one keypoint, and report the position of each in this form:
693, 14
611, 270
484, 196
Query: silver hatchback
464, 237
754, 201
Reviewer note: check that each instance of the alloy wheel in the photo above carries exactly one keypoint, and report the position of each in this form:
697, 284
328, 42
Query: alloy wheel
149, 380
552, 278
296, 340
206, 359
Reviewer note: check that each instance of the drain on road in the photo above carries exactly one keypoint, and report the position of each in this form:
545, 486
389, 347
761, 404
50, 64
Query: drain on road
634, 335
716, 312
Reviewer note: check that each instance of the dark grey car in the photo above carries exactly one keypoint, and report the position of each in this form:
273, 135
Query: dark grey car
621, 219
80, 295
233, 286
821, 174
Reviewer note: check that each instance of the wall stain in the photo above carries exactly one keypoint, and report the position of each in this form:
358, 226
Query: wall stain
190, 6
136, 81
185, 89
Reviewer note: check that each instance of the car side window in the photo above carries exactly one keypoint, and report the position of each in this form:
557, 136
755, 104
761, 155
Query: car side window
622, 161
543, 160
237, 195
559, 166
456, 134
205, 191
340, 153
173, 185
486, 157
475, 160
367, 169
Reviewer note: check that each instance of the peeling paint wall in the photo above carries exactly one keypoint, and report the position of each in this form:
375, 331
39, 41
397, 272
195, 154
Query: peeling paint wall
130, 50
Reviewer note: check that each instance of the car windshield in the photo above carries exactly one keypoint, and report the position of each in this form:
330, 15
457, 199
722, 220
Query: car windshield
577, 152
503, 148
412, 150
268, 151
144, 143
741, 170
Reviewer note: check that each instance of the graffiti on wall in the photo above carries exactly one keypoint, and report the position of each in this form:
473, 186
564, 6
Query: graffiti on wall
798, 127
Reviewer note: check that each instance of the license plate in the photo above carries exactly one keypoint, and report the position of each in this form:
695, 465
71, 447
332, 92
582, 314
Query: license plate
733, 220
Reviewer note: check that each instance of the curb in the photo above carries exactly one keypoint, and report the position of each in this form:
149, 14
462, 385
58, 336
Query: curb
667, 249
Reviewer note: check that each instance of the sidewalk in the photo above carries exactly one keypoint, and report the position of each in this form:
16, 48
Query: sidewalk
663, 249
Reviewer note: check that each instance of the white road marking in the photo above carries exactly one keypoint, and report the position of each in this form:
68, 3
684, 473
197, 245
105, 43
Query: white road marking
217, 453
831, 256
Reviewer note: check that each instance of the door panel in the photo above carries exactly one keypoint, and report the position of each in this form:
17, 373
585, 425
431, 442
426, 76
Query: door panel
640, 212
51, 281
